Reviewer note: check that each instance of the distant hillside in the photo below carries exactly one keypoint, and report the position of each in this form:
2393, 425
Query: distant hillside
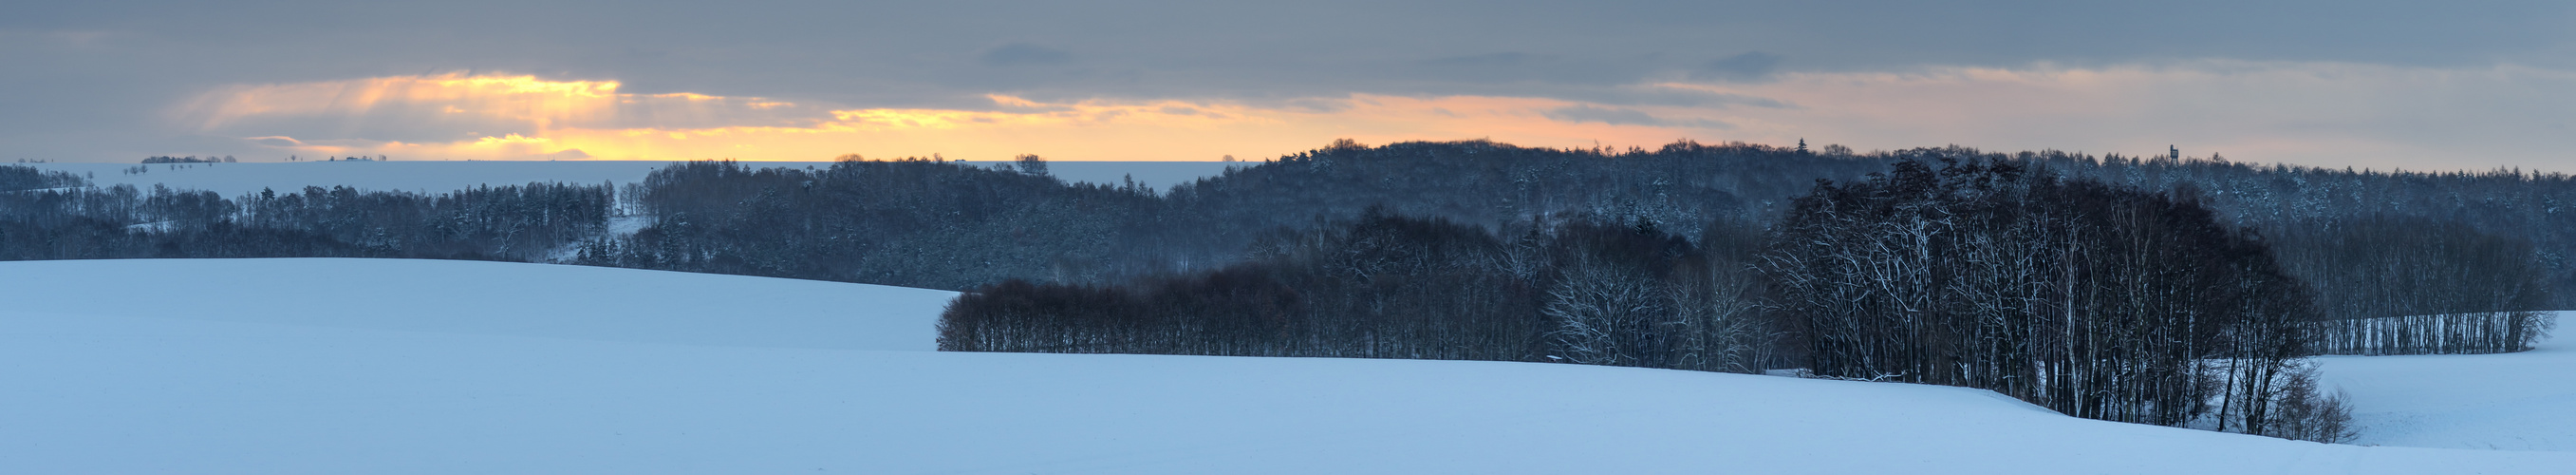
1209, 221
935, 224
236, 179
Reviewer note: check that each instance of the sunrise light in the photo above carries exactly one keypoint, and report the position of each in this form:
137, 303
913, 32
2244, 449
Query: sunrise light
524, 117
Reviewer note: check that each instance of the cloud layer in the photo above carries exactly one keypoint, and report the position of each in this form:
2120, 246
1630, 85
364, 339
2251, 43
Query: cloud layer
2315, 81
2301, 112
2307, 112
523, 117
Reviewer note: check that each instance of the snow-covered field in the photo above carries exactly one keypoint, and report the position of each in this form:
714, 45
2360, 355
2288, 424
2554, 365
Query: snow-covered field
370, 366
235, 179
2512, 401
487, 298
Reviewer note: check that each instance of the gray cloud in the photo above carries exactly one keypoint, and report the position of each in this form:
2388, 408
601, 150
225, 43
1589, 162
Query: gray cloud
94, 80
1602, 115
1519, 71
1312, 105
1615, 116
275, 141
1742, 67
1018, 54
1489, 60
1634, 95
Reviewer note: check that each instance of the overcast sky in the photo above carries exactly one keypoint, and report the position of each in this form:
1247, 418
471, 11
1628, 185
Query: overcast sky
2419, 85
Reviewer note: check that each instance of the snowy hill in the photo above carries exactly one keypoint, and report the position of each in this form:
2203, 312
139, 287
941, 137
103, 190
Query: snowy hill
235, 179
2512, 401
489, 298
367, 366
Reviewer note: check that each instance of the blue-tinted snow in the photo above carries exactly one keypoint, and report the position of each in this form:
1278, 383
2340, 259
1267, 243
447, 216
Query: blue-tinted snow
2511, 401
331, 366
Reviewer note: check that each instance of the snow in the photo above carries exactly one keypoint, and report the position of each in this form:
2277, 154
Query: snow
1159, 176
2511, 401
293, 366
488, 298
236, 179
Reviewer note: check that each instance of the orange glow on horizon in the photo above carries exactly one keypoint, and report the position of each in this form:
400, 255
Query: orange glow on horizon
1106, 130
2264, 111
523, 98
581, 120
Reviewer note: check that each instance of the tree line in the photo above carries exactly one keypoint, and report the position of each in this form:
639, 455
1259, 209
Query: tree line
1390, 286
2094, 300
928, 223
2508, 204
55, 215
1210, 222
913, 222
2393, 284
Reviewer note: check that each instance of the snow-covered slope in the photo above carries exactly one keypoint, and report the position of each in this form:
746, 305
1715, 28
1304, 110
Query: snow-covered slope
490, 298
2513, 401
235, 179
241, 367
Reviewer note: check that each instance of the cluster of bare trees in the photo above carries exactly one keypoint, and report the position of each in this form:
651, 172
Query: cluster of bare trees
1633, 296
2391, 285
2309, 412
2093, 300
